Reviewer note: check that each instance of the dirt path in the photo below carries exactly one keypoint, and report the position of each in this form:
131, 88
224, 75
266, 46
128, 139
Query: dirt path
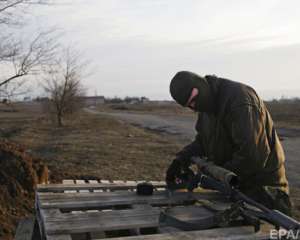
182, 127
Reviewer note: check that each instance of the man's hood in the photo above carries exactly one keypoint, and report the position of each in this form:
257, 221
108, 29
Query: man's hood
181, 87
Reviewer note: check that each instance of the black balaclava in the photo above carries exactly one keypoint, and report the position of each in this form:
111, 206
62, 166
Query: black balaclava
181, 87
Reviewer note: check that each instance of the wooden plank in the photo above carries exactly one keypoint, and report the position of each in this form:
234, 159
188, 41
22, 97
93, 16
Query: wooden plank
95, 182
25, 229
42, 216
49, 213
68, 182
168, 230
116, 185
142, 206
81, 236
158, 182
105, 181
43, 196
60, 225
136, 231
119, 182
95, 235
104, 200
58, 196
81, 182
233, 233
59, 237
98, 234
82, 191
102, 221
117, 220
132, 183
39, 218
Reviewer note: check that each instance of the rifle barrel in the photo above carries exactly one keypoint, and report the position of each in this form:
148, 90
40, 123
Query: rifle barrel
274, 217
219, 173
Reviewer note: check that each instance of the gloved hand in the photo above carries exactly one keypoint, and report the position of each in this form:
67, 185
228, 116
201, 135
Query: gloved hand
180, 176
173, 171
176, 169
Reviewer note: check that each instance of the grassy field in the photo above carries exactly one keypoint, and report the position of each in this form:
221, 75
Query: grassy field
285, 113
90, 146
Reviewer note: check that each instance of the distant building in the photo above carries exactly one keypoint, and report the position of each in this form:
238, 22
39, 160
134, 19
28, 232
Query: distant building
93, 100
42, 99
145, 100
5, 101
132, 100
26, 99
128, 100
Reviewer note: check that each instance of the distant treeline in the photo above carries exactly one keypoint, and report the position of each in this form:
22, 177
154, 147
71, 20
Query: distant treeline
127, 100
295, 100
285, 110
106, 100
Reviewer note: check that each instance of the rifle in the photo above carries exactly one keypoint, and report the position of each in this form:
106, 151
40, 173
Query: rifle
210, 176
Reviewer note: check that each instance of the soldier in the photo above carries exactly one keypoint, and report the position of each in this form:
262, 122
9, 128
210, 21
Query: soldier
234, 131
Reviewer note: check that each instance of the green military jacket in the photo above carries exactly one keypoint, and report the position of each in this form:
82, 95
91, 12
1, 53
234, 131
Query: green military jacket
239, 135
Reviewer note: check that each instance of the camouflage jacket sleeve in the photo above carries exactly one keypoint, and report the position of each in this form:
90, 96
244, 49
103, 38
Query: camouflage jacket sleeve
251, 148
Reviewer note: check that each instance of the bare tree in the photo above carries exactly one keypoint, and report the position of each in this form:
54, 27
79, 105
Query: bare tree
12, 90
63, 86
12, 10
23, 60
19, 58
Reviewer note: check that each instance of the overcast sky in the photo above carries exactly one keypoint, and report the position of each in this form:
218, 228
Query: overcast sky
137, 46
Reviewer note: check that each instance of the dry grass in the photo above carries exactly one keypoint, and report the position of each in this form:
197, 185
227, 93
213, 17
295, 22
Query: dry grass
157, 108
285, 113
91, 146
102, 147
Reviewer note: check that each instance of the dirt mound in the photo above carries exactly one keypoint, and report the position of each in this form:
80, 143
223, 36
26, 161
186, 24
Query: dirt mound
19, 174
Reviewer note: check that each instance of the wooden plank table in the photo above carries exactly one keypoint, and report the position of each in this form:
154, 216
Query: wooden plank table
83, 210
25, 229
